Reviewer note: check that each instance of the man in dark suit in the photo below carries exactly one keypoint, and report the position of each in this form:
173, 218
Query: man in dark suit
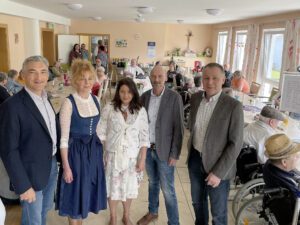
3, 90
216, 125
165, 113
28, 142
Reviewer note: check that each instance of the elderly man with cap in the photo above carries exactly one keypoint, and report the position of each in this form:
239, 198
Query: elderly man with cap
256, 133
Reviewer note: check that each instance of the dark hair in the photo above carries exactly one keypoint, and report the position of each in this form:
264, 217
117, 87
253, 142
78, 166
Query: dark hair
135, 103
74, 47
197, 81
12, 73
102, 48
214, 65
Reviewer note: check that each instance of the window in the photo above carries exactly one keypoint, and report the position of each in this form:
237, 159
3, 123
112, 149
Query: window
222, 41
239, 49
271, 58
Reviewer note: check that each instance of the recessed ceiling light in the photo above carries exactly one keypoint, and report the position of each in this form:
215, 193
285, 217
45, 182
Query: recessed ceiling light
214, 12
145, 9
180, 21
97, 18
74, 6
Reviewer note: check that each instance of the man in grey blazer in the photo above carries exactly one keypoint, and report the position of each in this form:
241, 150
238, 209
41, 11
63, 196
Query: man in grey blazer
216, 125
165, 113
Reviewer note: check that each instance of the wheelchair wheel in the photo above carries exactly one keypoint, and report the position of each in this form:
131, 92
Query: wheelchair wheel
249, 214
246, 192
186, 114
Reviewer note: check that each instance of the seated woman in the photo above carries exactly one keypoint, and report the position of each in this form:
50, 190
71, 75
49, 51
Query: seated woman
100, 72
280, 169
172, 74
239, 82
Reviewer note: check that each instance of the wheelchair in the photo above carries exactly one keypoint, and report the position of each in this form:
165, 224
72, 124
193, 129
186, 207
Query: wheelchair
274, 206
249, 174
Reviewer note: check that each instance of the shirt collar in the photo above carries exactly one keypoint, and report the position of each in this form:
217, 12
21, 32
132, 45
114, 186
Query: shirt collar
35, 96
213, 98
161, 94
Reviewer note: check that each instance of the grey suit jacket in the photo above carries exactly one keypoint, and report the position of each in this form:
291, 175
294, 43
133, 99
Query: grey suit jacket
224, 135
169, 124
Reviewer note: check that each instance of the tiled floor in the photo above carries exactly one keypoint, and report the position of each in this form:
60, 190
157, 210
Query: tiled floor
140, 205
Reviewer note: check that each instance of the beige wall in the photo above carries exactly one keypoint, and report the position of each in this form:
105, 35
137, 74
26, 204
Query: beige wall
166, 36
16, 50
15, 25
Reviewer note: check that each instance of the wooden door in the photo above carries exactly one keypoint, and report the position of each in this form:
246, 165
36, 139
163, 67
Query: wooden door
4, 46
48, 45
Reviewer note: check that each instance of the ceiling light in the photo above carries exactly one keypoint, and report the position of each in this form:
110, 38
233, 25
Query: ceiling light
74, 6
214, 12
139, 19
180, 21
97, 18
145, 10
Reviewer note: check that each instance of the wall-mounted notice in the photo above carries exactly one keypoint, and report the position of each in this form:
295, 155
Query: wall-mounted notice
151, 49
290, 93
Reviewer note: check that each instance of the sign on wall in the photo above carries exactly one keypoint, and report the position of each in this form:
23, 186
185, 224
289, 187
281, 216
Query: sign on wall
151, 49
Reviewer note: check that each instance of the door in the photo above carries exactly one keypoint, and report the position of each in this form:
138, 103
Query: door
4, 53
48, 49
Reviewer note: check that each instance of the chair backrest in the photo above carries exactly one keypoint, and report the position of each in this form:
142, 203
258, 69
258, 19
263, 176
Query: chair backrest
274, 91
254, 88
247, 156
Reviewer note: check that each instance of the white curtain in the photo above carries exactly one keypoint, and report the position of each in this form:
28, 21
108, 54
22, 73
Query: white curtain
250, 54
228, 47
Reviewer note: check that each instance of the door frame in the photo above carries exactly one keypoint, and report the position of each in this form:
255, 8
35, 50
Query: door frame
5, 26
42, 43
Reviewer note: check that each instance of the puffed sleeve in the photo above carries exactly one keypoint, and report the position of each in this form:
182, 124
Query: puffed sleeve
144, 129
65, 122
102, 125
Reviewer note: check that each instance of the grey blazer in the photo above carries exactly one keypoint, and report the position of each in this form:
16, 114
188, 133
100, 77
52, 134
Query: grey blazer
169, 124
224, 136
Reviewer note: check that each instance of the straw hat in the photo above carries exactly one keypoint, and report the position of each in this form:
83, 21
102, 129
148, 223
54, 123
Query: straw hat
279, 146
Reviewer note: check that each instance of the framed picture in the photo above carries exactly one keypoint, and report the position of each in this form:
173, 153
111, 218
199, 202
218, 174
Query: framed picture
121, 43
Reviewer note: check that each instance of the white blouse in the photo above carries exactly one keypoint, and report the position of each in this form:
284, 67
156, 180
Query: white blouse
86, 108
116, 132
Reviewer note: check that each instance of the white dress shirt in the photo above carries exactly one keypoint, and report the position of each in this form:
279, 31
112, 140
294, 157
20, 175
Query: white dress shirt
47, 112
256, 134
203, 116
153, 108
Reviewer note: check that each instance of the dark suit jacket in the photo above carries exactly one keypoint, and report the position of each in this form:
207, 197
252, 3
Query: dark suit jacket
3, 94
224, 135
169, 124
26, 145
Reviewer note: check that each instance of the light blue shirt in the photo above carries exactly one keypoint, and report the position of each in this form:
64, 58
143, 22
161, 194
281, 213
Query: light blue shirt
12, 86
47, 112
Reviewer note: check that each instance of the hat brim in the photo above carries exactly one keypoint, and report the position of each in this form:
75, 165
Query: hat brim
292, 152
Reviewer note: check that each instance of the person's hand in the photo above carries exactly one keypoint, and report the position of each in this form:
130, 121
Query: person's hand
68, 175
172, 162
140, 166
28, 196
213, 180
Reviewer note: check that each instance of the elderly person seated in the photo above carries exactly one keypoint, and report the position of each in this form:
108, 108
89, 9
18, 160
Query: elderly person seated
57, 70
172, 74
4, 94
133, 70
239, 82
12, 85
228, 76
280, 170
256, 133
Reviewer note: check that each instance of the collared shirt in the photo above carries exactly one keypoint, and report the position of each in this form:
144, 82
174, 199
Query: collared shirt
256, 134
152, 113
204, 113
47, 112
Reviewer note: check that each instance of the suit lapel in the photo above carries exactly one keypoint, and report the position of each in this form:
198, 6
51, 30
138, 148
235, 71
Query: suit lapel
163, 101
31, 106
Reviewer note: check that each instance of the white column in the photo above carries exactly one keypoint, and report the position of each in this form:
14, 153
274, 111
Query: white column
32, 37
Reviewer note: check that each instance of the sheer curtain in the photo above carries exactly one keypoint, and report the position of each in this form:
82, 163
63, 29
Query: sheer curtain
228, 47
251, 53
291, 49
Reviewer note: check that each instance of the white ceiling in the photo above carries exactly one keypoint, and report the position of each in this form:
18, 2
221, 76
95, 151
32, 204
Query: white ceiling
166, 11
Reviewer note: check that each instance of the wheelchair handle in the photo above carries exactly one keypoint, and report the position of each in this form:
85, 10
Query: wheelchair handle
252, 165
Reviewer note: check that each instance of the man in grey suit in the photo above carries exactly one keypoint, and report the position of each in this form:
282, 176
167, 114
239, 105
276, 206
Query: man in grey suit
165, 113
216, 125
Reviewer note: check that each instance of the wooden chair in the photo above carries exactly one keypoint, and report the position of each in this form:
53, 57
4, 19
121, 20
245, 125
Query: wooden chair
254, 88
102, 91
274, 91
